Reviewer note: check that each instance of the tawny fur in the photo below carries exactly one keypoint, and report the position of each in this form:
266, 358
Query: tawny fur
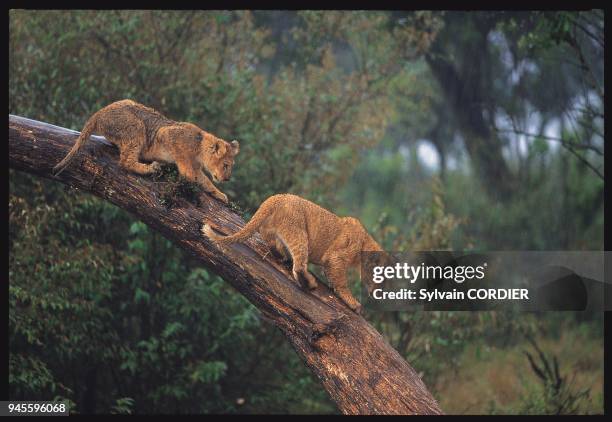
142, 133
306, 233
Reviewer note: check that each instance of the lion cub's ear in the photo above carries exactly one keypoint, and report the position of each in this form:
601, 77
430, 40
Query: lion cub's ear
235, 147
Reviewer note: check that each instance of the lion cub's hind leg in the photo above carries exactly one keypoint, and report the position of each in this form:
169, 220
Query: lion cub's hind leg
277, 247
130, 145
280, 249
296, 243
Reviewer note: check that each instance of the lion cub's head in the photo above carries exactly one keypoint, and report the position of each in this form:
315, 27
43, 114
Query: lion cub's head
217, 156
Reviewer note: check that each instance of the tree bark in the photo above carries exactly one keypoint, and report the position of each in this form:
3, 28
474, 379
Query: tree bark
361, 372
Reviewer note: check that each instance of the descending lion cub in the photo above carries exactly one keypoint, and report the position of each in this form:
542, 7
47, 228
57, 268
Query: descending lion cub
142, 133
308, 233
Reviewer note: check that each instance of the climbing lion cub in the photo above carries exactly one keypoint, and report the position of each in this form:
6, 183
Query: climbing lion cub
142, 133
308, 233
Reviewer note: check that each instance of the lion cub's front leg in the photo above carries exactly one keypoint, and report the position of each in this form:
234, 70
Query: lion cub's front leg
208, 186
196, 175
335, 271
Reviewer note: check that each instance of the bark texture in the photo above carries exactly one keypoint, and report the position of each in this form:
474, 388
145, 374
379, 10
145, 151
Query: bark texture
361, 372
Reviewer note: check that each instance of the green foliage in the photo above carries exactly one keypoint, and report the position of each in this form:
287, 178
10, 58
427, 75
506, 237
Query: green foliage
558, 396
111, 315
123, 406
203, 67
562, 220
135, 310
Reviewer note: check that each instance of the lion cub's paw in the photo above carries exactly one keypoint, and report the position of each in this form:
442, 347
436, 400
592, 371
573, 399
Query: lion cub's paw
221, 197
156, 167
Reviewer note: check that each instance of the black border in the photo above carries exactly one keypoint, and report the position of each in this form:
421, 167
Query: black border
466, 5
607, 390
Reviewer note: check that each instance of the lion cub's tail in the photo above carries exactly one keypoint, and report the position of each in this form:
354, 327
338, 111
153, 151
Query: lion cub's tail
88, 129
251, 227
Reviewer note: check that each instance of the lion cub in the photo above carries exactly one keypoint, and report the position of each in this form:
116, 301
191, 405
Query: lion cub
305, 232
142, 133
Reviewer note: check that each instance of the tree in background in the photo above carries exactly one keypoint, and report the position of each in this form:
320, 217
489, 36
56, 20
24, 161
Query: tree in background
512, 104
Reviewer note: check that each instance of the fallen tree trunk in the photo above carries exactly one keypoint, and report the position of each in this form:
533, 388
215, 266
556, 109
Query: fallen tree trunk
361, 372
